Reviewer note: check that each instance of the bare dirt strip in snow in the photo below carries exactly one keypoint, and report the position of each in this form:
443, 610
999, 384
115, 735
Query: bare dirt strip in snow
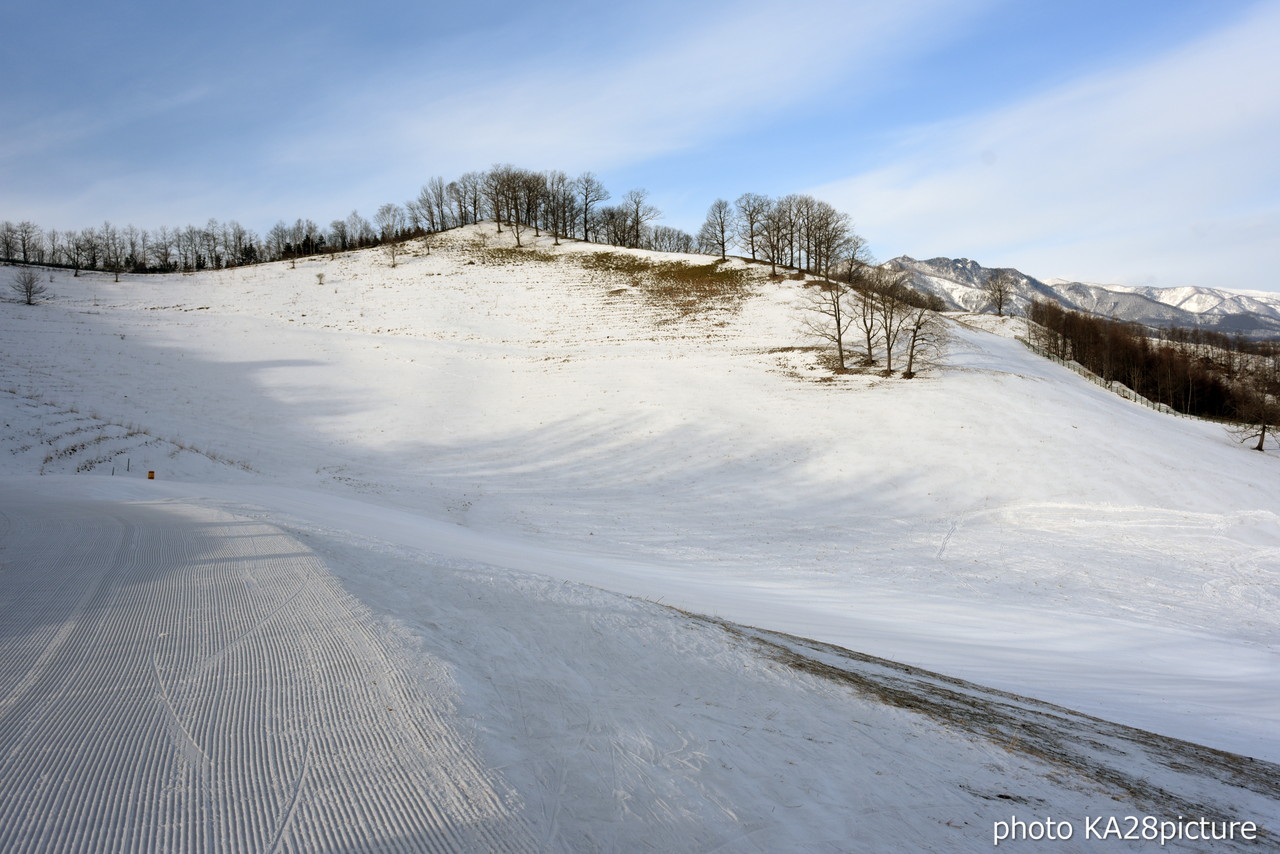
175, 679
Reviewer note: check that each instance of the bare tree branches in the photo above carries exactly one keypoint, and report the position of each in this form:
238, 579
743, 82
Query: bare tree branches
560, 203
27, 285
717, 229
827, 315
925, 335
1257, 399
999, 288
639, 214
590, 191
796, 231
890, 319
775, 235
751, 209
667, 239
390, 220
894, 312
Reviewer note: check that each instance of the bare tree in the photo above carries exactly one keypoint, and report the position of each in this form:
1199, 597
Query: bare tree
863, 280
615, 224
590, 191
999, 288
717, 230
113, 249
133, 256
161, 249
457, 202
415, 220
831, 241
1257, 400
827, 314
390, 220
749, 214
439, 192
74, 251
360, 232
560, 203
90, 246
29, 240
805, 215
210, 243
775, 235
893, 310
425, 208
27, 285
56, 248
242, 242
499, 188
8, 241
640, 213
277, 242
924, 336
471, 197
313, 237
528, 195
338, 240
667, 239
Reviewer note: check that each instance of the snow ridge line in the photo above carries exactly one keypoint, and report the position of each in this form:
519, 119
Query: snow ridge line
1116, 758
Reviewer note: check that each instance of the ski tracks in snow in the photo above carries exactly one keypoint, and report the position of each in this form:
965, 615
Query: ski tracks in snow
176, 679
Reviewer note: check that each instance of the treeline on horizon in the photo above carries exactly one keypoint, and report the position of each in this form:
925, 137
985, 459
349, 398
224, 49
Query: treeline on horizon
794, 231
1193, 371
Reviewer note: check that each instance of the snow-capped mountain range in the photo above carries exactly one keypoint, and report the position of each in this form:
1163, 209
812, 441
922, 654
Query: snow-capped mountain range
959, 283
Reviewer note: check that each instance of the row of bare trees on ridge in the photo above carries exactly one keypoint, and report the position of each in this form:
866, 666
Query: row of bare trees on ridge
794, 231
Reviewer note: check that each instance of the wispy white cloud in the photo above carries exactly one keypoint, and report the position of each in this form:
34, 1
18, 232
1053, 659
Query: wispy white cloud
65, 127
315, 119
638, 92
1164, 173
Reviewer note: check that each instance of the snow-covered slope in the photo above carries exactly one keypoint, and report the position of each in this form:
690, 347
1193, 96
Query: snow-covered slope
465, 440
958, 282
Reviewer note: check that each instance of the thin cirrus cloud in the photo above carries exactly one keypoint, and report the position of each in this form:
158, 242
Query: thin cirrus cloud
654, 90
325, 115
1159, 174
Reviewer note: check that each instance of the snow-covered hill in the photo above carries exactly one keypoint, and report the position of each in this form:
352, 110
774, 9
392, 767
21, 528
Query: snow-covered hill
499, 467
958, 282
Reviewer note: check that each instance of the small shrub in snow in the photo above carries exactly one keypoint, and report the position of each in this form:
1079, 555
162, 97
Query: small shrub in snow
27, 285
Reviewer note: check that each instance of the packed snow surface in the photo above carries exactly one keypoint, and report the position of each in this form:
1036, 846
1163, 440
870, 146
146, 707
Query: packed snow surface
371, 598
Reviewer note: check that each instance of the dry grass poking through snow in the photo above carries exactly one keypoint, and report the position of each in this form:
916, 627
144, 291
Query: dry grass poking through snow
676, 287
509, 256
1153, 772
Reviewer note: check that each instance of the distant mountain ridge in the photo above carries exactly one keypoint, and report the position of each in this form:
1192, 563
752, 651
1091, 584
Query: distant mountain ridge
958, 282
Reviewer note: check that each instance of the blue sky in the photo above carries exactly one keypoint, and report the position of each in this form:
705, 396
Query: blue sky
1129, 142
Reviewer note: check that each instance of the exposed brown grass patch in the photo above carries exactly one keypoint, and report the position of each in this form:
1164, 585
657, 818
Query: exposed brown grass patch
1121, 760
675, 286
507, 256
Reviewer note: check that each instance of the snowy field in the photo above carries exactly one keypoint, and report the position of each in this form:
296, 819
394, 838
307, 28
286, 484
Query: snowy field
371, 600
